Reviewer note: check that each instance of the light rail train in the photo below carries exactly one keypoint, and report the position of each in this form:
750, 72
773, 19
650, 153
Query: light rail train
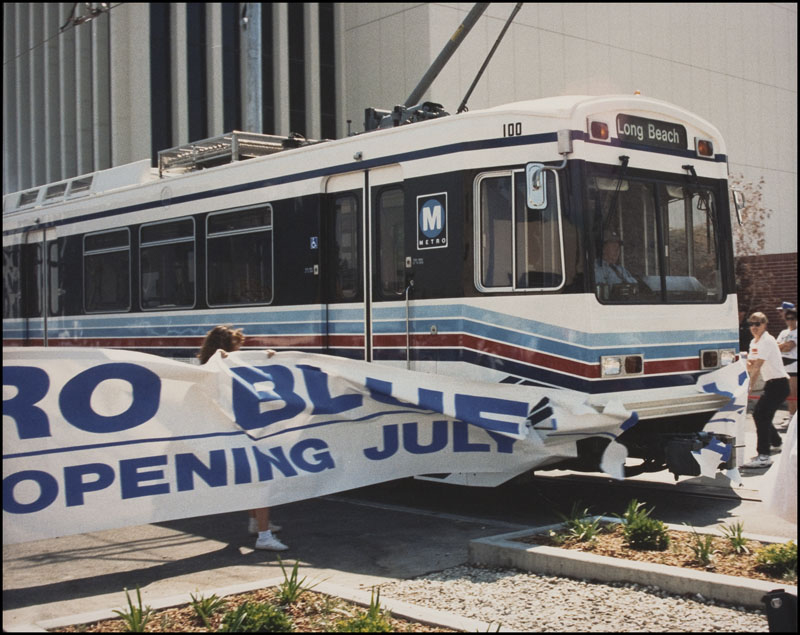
470, 245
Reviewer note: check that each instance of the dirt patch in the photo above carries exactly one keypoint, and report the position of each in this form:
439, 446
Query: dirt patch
610, 542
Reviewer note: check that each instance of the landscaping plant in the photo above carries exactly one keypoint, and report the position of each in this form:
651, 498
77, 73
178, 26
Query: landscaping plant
702, 546
779, 559
256, 617
735, 537
291, 589
579, 524
206, 607
135, 618
374, 620
642, 532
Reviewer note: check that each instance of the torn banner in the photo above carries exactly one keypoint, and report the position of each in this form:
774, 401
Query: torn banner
98, 438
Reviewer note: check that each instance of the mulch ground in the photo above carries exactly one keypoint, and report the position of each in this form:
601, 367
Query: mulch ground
678, 554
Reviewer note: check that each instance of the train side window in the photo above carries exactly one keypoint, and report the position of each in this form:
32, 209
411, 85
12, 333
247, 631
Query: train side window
344, 260
239, 268
519, 248
495, 240
56, 281
107, 271
11, 282
538, 238
167, 264
32, 280
391, 242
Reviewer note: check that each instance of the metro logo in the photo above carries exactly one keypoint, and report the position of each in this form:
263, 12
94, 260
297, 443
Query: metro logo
432, 221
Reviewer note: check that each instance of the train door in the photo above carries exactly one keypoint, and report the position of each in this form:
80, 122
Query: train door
365, 265
388, 327
343, 271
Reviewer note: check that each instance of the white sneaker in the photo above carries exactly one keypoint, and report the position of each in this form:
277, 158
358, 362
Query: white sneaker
762, 460
270, 543
252, 526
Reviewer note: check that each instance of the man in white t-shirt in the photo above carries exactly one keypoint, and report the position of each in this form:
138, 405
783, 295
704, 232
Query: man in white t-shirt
764, 359
787, 343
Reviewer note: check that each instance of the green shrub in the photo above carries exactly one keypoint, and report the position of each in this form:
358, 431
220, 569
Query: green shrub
291, 588
778, 559
642, 532
206, 607
702, 546
256, 617
579, 525
374, 620
634, 512
735, 537
646, 533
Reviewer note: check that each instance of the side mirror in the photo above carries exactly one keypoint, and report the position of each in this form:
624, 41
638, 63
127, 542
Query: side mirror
535, 185
738, 203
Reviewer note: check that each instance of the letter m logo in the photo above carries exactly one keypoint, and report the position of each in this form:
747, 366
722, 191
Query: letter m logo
432, 221
432, 218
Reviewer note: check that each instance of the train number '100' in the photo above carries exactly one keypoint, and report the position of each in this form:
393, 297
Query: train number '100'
512, 129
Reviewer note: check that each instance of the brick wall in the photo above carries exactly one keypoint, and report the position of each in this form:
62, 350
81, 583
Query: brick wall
763, 282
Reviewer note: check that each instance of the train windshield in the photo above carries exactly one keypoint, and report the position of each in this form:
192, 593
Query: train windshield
656, 240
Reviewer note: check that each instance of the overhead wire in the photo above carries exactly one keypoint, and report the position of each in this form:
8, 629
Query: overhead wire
71, 21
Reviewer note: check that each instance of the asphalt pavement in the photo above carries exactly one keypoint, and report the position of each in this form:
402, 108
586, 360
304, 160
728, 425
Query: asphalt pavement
354, 540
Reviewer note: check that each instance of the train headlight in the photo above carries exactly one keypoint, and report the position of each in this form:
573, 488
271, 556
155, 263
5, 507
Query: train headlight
716, 358
727, 356
610, 366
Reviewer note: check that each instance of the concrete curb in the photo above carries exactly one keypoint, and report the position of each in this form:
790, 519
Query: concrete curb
503, 551
361, 597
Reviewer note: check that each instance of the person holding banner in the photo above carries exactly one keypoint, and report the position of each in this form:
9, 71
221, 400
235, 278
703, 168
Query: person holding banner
228, 340
787, 342
764, 359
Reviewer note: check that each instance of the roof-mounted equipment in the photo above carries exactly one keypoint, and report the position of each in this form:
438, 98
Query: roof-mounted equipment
226, 148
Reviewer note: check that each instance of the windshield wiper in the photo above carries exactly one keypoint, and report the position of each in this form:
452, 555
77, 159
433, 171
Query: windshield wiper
613, 202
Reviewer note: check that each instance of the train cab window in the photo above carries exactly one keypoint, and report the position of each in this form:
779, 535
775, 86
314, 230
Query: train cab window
167, 260
664, 243
391, 242
520, 248
107, 271
239, 251
344, 252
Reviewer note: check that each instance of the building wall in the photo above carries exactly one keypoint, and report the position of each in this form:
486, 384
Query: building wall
86, 98
139, 78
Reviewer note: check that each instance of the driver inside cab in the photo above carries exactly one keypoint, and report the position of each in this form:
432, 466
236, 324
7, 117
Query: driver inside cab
608, 269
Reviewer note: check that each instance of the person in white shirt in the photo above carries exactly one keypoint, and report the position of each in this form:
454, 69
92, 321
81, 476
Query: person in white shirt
787, 343
607, 269
764, 359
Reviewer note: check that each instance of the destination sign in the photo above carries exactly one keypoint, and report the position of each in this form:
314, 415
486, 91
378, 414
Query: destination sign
651, 132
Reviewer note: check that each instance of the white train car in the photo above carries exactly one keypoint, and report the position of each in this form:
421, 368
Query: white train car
476, 245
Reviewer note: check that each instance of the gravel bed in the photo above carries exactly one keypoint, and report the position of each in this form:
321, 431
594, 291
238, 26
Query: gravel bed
528, 602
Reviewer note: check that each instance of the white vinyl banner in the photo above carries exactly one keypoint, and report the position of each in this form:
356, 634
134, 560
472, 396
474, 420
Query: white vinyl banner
99, 438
